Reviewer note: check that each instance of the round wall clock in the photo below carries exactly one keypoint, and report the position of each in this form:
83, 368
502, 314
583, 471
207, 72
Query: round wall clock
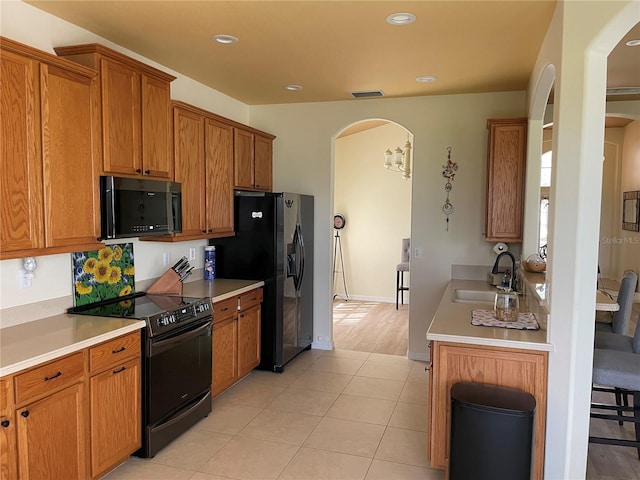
339, 221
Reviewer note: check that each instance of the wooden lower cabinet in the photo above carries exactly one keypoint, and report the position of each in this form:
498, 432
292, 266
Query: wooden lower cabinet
8, 455
524, 370
115, 415
71, 418
236, 339
52, 436
248, 340
225, 355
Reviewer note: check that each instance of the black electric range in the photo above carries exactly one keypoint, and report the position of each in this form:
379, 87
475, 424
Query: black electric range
162, 313
176, 361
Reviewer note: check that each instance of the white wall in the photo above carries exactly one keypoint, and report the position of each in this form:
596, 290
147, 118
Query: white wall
629, 247
304, 161
579, 39
377, 206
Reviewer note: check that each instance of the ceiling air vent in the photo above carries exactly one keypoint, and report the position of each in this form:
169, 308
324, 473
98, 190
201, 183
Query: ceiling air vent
368, 94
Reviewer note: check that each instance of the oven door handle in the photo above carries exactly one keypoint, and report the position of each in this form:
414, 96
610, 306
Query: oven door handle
158, 347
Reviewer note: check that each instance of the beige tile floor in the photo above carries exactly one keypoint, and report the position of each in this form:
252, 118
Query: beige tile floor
331, 415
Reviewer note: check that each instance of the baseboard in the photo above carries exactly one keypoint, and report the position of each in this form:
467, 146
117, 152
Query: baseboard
322, 345
422, 357
364, 298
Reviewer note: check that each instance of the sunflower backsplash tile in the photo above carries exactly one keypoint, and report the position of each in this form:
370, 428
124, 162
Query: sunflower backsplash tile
103, 274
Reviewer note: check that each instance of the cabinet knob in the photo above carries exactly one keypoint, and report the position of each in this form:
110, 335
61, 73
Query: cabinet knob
25, 414
138, 170
147, 172
204, 231
5, 423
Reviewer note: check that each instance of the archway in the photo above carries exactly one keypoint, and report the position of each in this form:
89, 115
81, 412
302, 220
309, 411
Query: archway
376, 204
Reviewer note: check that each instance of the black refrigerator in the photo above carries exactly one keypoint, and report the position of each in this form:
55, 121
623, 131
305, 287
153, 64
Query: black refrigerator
274, 243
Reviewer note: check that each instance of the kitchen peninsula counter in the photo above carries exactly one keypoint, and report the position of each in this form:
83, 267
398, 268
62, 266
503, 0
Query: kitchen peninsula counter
452, 322
28, 344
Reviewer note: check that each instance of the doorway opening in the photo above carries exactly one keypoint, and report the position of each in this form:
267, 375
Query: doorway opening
374, 205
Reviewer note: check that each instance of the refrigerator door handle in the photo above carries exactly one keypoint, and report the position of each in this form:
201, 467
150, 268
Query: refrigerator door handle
298, 243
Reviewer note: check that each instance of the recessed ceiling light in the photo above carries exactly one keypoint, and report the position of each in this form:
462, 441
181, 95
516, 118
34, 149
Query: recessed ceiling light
426, 78
633, 43
225, 39
401, 18
293, 88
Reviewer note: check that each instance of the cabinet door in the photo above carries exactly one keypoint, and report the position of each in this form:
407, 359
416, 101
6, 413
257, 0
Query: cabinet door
120, 118
70, 167
51, 436
219, 176
8, 454
20, 164
263, 167
505, 179
115, 415
225, 354
248, 340
188, 134
156, 128
243, 156
519, 369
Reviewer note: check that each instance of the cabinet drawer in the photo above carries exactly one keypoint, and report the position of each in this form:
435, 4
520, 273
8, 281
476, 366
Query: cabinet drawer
225, 309
5, 398
109, 353
250, 299
49, 377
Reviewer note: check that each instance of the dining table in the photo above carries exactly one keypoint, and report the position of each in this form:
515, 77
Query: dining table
605, 302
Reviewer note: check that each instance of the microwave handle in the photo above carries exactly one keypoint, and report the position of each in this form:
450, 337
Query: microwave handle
107, 208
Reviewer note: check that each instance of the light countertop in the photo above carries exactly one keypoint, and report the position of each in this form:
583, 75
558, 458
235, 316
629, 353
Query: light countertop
28, 344
452, 323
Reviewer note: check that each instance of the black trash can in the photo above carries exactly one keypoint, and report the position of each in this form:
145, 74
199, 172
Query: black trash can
491, 433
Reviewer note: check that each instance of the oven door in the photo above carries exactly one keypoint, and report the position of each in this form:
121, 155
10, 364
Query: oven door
178, 369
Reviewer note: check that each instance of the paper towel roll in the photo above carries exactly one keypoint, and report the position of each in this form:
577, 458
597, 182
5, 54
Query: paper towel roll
500, 247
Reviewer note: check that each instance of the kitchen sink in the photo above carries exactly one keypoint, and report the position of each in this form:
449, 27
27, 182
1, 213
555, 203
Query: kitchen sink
474, 296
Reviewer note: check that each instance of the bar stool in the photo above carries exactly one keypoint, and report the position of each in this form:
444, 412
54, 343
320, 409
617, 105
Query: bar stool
400, 269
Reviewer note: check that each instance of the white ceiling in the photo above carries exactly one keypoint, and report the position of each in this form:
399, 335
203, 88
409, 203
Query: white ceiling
333, 48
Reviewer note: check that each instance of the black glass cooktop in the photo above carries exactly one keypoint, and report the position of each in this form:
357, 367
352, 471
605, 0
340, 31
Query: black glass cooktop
139, 306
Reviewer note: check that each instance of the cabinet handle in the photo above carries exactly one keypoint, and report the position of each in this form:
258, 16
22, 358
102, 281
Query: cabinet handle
204, 231
138, 170
46, 379
224, 309
5, 423
121, 349
119, 370
25, 414
147, 172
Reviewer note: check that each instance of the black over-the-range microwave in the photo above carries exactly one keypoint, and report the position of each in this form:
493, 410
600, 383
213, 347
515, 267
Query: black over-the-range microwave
132, 207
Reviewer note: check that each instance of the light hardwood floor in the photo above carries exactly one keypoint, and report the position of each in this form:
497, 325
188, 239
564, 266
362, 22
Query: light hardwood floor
370, 327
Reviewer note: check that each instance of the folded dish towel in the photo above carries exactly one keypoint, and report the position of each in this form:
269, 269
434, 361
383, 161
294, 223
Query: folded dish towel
486, 318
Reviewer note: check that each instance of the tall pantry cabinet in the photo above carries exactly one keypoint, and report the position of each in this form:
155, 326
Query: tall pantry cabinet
49, 154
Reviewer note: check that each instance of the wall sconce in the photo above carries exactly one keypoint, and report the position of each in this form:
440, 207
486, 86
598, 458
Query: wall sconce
399, 160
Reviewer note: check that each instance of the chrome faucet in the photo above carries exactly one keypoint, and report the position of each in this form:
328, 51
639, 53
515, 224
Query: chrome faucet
513, 268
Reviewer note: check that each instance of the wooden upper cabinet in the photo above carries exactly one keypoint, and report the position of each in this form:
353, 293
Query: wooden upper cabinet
136, 112
188, 141
20, 160
243, 158
505, 179
219, 176
70, 150
253, 160
50, 154
157, 160
263, 163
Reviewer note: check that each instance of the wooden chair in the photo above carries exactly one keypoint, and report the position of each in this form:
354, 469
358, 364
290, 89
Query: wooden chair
402, 267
